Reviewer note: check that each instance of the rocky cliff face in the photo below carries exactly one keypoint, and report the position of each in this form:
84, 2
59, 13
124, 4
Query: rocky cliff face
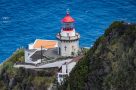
110, 64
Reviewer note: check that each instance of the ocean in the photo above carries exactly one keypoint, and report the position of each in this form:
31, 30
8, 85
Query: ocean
23, 21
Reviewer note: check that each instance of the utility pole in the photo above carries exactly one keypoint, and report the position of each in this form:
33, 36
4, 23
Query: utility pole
41, 54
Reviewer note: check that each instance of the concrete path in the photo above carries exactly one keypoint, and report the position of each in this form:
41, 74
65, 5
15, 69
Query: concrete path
48, 65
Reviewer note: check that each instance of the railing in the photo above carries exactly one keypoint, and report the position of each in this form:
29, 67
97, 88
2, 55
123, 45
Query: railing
77, 36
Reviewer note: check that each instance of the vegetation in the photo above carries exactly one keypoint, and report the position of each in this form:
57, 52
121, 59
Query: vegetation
110, 64
23, 79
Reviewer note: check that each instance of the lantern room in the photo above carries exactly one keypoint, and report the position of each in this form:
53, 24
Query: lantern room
67, 22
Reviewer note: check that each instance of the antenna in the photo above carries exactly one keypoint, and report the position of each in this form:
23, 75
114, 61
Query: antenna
41, 54
68, 11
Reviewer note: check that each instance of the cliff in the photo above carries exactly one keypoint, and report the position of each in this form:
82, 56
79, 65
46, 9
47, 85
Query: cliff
110, 64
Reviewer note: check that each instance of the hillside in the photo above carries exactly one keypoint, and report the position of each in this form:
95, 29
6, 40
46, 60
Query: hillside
24, 79
110, 64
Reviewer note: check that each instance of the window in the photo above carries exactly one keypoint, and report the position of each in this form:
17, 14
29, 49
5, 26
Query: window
65, 48
67, 34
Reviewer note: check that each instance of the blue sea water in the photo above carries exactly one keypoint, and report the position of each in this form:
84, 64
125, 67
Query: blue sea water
22, 21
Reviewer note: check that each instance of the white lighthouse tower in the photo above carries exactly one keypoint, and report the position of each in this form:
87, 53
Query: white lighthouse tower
68, 38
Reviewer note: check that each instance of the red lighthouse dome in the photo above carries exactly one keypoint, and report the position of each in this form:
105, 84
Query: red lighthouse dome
68, 18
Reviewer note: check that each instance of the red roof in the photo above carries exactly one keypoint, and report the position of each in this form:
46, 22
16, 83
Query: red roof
68, 19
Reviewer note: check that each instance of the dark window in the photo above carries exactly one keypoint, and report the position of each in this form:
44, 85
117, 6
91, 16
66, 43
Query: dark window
59, 51
65, 48
67, 34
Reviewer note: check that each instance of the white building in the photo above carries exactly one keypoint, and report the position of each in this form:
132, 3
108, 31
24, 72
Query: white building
68, 38
36, 51
66, 68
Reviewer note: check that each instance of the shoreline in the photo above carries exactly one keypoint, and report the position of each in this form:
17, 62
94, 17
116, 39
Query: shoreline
9, 56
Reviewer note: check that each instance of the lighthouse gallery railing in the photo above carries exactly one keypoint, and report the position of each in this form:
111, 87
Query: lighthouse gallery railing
77, 36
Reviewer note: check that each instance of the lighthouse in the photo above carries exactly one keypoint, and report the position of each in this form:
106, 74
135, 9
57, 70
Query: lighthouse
68, 38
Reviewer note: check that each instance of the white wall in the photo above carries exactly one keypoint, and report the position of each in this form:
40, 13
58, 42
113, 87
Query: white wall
28, 59
30, 46
64, 68
26, 55
61, 75
68, 67
71, 66
72, 46
69, 49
